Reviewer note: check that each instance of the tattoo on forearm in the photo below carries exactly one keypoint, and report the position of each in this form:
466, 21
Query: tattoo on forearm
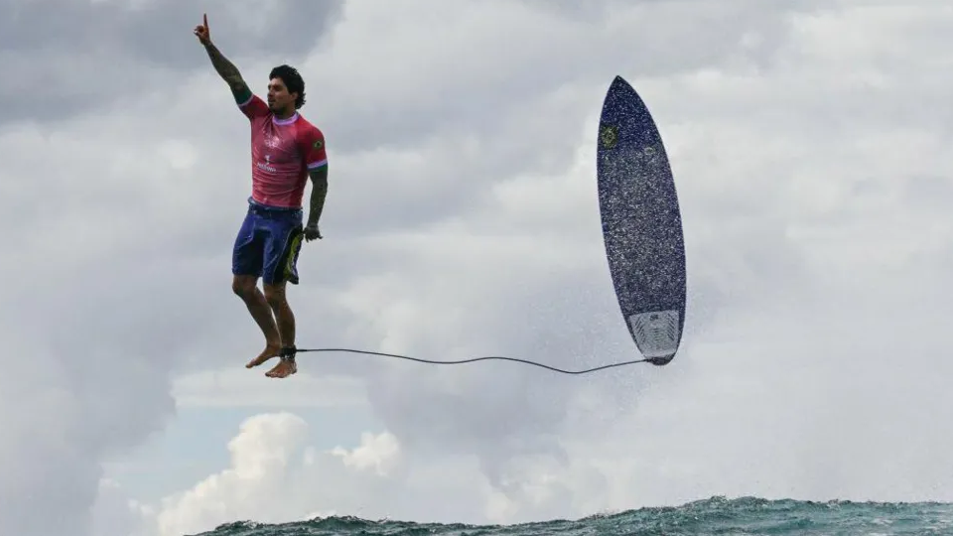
318, 195
225, 68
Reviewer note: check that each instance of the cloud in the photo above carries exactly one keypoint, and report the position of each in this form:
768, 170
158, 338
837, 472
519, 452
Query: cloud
809, 149
103, 306
269, 459
374, 480
235, 387
84, 57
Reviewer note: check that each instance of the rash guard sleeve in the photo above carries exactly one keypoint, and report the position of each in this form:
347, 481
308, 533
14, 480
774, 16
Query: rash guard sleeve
250, 104
312, 146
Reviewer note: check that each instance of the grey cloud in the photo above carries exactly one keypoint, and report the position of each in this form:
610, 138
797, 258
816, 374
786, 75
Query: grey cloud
159, 33
97, 327
745, 259
586, 53
502, 411
81, 56
561, 83
90, 386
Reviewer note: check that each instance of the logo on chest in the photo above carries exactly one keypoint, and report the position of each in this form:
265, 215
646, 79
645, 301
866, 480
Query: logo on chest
275, 150
272, 141
280, 148
266, 165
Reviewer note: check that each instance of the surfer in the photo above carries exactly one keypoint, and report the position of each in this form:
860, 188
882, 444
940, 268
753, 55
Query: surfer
286, 150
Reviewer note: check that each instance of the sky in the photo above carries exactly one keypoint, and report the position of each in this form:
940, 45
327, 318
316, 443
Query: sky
810, 146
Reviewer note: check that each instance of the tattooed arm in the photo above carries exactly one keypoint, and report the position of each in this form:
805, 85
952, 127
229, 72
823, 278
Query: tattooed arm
319, 192
228, 72
311, 142
225, 68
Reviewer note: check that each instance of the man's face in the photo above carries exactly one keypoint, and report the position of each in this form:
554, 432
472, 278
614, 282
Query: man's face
278, 97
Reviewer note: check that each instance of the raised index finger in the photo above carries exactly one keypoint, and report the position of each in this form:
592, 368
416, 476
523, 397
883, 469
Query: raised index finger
205, 20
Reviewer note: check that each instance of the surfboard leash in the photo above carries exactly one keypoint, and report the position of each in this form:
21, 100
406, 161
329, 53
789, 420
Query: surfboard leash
292, 352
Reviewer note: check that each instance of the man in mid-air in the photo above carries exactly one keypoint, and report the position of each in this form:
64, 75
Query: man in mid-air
286, 149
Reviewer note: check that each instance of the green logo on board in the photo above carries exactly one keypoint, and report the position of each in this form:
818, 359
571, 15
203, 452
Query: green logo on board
609, 136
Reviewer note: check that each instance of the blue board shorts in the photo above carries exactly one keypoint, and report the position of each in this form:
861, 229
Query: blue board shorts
268, 243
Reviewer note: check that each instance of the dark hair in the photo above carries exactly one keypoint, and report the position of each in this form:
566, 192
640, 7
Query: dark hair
293, 81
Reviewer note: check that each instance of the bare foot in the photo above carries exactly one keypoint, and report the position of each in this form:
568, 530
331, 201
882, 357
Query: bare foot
283, 369
270, 351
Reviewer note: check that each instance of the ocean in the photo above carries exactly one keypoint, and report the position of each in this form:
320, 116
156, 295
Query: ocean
715, 516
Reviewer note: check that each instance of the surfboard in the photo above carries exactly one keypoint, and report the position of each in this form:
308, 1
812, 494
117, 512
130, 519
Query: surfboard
641, 224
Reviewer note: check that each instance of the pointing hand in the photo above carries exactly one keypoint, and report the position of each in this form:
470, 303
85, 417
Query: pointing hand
201, 31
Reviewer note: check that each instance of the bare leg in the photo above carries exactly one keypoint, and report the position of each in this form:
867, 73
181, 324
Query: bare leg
277, 300
246, 288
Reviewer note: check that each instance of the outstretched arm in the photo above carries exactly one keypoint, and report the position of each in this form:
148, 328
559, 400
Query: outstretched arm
225, 68
228, 72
